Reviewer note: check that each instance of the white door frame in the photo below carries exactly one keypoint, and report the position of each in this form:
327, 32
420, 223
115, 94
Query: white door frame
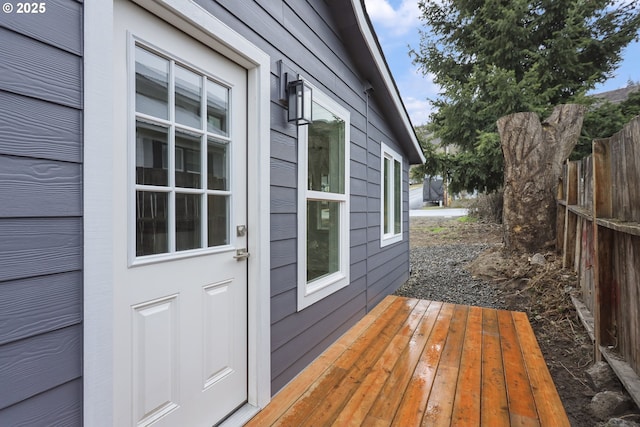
99, 208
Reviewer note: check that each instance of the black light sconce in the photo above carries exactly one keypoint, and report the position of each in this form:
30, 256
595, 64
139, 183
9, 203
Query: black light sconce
297, 94
299, 99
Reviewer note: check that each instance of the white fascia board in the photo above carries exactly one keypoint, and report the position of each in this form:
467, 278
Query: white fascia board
381, 65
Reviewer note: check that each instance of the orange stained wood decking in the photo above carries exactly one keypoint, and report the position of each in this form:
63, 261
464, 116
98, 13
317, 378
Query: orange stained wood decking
414, 362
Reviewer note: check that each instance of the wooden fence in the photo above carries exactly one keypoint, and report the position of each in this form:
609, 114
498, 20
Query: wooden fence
599, 236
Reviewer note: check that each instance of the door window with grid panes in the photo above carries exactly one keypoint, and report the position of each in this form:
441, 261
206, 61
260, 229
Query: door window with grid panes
182, 188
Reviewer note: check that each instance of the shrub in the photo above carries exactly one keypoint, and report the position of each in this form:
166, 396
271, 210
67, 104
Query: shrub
487, 207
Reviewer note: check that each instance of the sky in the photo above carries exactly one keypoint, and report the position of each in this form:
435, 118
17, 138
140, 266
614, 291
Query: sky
396, 23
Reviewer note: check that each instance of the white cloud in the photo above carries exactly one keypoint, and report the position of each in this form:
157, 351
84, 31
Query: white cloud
416, 90
398, 21
418, 109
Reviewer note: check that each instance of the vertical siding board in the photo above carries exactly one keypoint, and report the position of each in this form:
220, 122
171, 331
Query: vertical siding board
35, 128
32, 68
27, 367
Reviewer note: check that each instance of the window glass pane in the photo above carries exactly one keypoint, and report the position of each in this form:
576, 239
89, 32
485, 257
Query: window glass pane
323, 238
385, 195
188, 96
151, 154
151, 223
217, 108
326, 151
218, 221
217, 166
397, 188
188, 221
152, 84
188, 161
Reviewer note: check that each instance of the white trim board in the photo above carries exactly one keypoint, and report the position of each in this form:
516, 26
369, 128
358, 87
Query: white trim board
99, 103
383, 69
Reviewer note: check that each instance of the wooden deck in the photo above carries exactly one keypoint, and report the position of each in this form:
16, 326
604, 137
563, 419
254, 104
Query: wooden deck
414, 362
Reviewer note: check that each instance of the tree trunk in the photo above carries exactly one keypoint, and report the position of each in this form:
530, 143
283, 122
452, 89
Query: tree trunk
533, 156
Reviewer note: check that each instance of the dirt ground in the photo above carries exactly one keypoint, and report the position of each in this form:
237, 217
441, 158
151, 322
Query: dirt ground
542, 291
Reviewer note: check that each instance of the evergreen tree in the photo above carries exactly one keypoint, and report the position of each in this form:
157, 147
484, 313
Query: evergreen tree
604, 120
496, 57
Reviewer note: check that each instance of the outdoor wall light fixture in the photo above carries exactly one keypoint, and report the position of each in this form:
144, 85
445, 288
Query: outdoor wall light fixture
299, 96
295, 94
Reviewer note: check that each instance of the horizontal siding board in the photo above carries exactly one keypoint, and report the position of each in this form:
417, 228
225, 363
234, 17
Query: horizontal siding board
34, 128
283, 173
359, 140
298, 323
39, 187
283, 252
358, 170
358, 186
33, 247
60, 406
373, 188
33, 306
283, 305
283, 147
381, 273
283, 226
29, 366
283, 200
358, 154
287, 352
373, 235
283, 279
31, 68
394, 279
280, 380
374, 205
358, 253
358, 237
358, 219
60, 25
358, 204
358, 270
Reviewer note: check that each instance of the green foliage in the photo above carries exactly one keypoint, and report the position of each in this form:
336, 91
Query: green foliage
496, 57
604, 121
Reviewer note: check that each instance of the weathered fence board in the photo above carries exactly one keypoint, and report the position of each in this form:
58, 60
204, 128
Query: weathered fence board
599, 222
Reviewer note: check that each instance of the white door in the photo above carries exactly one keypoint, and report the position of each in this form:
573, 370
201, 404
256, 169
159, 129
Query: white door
180, 306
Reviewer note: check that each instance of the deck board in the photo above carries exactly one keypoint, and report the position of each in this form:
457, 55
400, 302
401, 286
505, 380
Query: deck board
414, 362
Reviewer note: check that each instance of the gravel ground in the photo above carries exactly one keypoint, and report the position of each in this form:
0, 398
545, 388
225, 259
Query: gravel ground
438, 273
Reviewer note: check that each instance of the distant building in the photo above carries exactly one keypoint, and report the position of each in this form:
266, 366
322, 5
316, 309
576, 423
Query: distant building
618, 95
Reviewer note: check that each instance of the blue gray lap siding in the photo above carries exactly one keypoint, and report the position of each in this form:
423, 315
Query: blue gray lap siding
41, 224
41, 216
304, 35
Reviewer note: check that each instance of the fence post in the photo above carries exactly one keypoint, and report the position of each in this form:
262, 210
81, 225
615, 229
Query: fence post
603, 243
570, 219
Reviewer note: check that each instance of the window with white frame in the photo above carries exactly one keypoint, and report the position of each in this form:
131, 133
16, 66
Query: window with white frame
323, 202
391, 197
182, 188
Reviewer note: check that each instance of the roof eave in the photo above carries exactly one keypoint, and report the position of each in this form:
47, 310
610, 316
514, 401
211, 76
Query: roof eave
403, 122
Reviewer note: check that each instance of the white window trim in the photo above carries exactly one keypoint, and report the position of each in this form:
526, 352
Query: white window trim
99, 257
309, 294
389, 238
